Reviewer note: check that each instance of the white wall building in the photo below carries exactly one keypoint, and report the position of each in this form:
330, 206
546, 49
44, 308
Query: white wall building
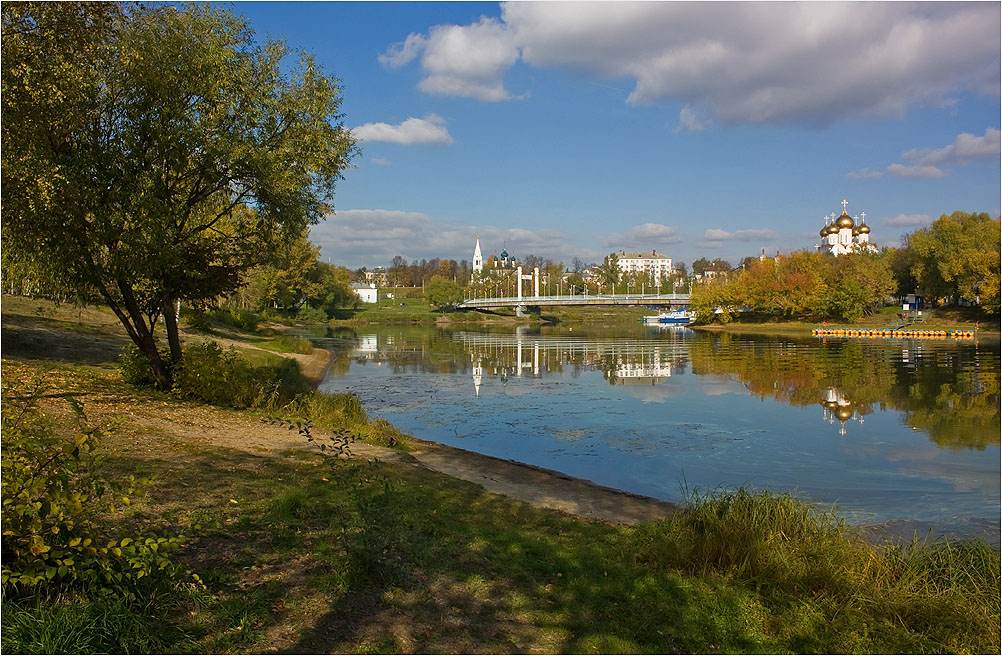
478, 258
652, 263
367, 293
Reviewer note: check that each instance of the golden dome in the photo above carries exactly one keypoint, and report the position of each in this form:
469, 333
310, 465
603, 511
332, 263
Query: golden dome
832, 229
843, 413
844, 221
864, 229
824, 231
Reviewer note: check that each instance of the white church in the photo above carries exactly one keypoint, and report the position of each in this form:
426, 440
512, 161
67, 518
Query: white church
846, 234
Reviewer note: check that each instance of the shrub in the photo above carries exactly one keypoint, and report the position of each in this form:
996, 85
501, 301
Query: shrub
196, 320
135, 368
312, 315
52, 499
246, 320
210, 374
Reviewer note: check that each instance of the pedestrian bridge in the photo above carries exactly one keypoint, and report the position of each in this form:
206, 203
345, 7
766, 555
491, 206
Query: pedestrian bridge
522, 303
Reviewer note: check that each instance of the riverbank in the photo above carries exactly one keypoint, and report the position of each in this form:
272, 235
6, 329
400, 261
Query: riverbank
384, 553
942, 319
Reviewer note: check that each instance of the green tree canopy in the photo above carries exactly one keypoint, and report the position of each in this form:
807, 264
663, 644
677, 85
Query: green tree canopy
156, 153
958, 255
442, 292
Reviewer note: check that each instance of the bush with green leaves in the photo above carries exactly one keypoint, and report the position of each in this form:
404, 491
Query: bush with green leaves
218, 376
310, 314
53, 499
135, 367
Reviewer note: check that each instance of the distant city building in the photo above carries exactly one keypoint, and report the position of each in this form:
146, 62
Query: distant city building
377, 277
844, 235
366, 292
653, 264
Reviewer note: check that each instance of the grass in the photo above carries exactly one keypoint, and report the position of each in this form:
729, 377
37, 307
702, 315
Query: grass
305, 553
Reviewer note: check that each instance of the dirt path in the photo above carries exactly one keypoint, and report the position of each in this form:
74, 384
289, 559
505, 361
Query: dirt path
205, 426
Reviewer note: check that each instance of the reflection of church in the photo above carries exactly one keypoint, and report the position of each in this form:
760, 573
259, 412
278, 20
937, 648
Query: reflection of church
836, 406
845, 234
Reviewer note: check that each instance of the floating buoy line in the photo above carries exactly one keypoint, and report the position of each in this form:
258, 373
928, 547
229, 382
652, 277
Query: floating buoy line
891, 333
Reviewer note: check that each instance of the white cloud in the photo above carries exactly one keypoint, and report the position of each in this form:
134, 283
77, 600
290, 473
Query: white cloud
747, 62
460, 60
927, 162
380, 161
865, 174
644, 235
965, 147
688, 122
716, 235
915, 171
370, 237
909, 220
403, 53
428, 130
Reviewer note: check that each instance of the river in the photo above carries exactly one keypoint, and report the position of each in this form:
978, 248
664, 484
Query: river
884, 431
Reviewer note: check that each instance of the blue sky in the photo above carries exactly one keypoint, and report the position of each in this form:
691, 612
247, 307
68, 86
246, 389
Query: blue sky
698, 129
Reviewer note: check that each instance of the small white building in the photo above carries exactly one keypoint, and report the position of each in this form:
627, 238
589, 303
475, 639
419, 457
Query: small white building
367, 293
652, 263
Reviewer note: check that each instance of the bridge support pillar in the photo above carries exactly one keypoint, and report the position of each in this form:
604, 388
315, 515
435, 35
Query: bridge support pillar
521, 310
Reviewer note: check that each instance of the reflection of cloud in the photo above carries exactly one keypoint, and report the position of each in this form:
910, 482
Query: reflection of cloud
664, 390
926, 459
719, 387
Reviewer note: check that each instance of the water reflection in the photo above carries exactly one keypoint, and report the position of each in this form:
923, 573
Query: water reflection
948, 391
902, 430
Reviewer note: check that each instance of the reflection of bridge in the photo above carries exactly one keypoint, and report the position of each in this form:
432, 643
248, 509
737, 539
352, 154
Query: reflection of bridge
523, 302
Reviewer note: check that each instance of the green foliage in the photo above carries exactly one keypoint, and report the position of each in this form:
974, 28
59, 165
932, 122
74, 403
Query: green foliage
135, 367
251, 144
53, 497
801, 285
958, 255
76, 624
608, 272
442, 292
218, 376
309, 314
329, 411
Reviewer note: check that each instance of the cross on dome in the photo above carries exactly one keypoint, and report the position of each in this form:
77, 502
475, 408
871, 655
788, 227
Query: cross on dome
845, 203
863, 214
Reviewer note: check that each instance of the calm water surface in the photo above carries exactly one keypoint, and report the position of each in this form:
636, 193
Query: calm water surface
887, 430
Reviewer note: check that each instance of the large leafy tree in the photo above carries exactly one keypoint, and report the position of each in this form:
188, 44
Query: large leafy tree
155, 153
958, 255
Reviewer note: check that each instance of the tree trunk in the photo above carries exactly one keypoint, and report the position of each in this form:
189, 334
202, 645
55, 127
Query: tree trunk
170, 324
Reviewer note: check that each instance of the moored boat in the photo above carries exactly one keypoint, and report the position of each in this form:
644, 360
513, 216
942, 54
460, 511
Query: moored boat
673, 317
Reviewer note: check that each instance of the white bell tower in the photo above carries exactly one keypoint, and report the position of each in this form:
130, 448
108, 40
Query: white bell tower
478, 258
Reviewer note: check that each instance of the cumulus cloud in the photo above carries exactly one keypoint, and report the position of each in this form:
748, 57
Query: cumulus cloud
928, 162
909, 220
688, 122
738, 63
429, 130
915, 171
716, 236
964, 149
372, 237
865, 174
641, 236
460, 60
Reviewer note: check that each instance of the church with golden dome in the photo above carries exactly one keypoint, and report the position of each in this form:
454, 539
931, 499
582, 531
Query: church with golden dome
846, 234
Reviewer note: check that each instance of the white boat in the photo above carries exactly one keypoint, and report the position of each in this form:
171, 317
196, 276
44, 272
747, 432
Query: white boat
673, 317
